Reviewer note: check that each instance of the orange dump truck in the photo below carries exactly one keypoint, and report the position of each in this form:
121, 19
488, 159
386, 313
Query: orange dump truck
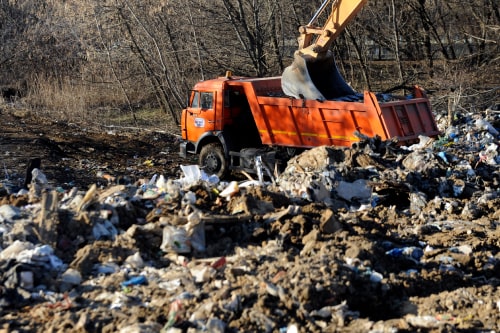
235, 122
229, 121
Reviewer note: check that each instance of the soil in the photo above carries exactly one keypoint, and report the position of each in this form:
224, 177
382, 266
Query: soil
72, 155
268, 267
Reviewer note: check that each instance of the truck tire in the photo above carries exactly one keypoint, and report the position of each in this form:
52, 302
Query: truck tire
212, 160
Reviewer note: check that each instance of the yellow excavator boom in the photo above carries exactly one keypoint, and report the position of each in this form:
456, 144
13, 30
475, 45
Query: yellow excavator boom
343, 11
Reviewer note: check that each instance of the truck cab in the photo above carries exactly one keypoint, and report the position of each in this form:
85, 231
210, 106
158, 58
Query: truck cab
216, 121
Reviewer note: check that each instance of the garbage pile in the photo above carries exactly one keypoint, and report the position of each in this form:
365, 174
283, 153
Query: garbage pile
372, 238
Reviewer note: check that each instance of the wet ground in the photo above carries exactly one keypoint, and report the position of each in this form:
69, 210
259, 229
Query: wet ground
414, 247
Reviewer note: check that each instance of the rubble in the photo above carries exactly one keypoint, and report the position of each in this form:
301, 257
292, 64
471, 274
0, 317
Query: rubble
373, 238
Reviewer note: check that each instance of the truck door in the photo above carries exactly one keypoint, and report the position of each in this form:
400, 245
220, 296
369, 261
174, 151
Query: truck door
199, 115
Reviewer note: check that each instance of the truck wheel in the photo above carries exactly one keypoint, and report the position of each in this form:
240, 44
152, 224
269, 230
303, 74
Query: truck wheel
212, 160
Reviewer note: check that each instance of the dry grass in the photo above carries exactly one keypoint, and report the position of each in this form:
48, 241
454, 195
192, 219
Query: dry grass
60, 100
89, 105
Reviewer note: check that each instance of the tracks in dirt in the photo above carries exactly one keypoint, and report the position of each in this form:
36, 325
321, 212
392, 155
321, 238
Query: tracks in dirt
74, 156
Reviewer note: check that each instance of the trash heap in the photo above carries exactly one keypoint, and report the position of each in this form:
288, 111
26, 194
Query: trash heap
372, 238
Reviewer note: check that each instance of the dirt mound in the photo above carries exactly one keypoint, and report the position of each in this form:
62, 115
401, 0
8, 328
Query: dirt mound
109, 235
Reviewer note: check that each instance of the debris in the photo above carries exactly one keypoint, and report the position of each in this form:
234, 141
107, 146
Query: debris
339, 234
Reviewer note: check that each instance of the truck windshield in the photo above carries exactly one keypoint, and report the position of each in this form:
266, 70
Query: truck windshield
203, 100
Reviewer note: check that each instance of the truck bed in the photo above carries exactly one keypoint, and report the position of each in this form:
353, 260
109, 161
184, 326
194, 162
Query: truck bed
294, 122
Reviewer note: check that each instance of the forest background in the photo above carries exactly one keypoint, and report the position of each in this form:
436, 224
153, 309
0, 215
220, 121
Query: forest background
123, 61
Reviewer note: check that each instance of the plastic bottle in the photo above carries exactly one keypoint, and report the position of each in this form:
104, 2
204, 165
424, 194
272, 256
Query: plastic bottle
141, 279
442, 155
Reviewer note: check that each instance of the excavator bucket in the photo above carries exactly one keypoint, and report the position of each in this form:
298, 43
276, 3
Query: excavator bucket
314, 78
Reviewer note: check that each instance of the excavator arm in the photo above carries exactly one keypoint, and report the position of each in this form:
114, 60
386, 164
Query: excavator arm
343, 11
313, 73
